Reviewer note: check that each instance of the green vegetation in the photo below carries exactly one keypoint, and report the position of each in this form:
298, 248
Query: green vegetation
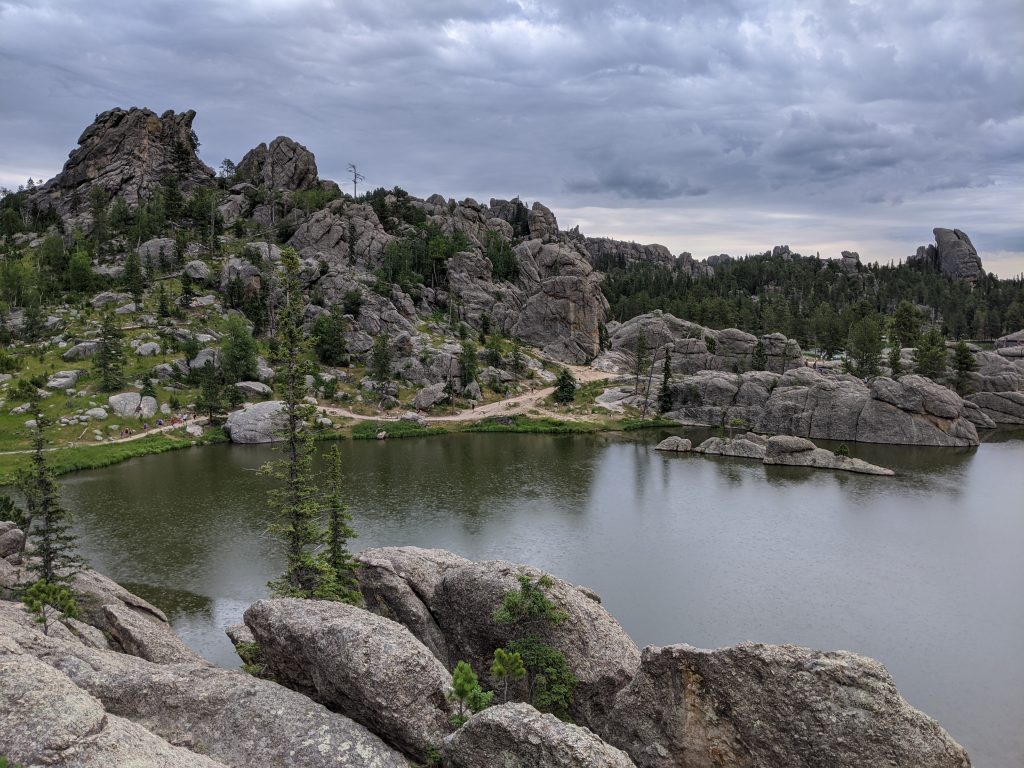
467, 693
507, 668
565, 387
42, 596
368, 430
252, 658
930, 355
109, 361
963, 365
665, 392
527, 425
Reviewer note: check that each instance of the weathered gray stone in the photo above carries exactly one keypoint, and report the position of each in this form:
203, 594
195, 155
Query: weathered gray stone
953, 254
1001, 407
254, 388
674, 444
197, 270
148, 349
125, 404
739, 447
63, 380
96, 413
360, 664
12, 541
285, 164
771, 706
157, 253
81, 350
800, 452
518, 736
146, 636
428, 397
256, 423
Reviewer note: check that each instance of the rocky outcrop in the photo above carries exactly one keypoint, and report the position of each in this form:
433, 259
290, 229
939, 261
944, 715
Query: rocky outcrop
674, 444
81, 350
693, 347
750, 446
285, 164
606, 253
365, 666
460, 600
518, 736
771, 706
132, 405
256, 423
800, 452
1009, 341
213, 716
1001, 407
953, 255
146, 636
126, 153
807, 403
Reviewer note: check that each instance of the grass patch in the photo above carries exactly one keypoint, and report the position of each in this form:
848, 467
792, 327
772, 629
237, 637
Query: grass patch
525, 424
66, 460
628, 425
367, 430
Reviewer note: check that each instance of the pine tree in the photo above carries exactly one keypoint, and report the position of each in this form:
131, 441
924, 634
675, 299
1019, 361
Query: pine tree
759, 358
339, 533
565, 387
930, 355
643, 359
296, 502
187, 291
109, 361
55, 558
329, 337
895, 359
906, 324
467, 693
469, 366
863, 348
507, 668
44, 595
163, 306
964, 364
665, 393
238, 352
211, 390
380, 359
133, 278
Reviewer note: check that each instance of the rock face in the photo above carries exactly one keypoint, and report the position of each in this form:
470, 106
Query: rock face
518, 736
127, 153
365, 666
750, 446
804, 402
456, 604
256, 423
674, 444
1001, 407
953, 255
800, 452
693, 347
132, 405
768, 706
213, 717
285, 164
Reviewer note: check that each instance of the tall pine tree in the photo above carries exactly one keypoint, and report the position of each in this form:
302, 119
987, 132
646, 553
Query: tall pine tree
109, 360
665, 393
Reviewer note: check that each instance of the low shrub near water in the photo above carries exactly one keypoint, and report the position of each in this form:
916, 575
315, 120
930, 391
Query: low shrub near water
368, 430
525, 424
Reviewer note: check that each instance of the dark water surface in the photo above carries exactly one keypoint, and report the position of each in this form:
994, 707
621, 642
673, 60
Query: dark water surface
924, 572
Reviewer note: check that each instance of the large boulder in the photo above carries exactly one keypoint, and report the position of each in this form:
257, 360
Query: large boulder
285, 164
363, 665
146, 636
749, 446
81, 350
771, 706
132, 405
462, 597
428, 397
256, 423
157, 254
45, 719
804, 402
1001, 407
518, 736
228, 717
126, 153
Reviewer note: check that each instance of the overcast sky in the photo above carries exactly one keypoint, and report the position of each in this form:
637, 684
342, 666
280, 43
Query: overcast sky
710, 126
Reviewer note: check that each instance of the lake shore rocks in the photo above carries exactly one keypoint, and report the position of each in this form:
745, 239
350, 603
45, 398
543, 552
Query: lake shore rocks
772, 706
804, 402
800, 452
256, 423
674, 444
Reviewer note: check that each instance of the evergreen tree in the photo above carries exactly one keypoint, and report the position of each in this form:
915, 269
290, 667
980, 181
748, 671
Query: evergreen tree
238, 352
163, 306
329, 337
211, 390
380, 359
895, 361
133, 278
55, 559
507, 668
296, 502
469, 365
339, 533
964, 364
863, 348
565, 387
643, 359
467, 693
907, 324
665, 393
109, 360
45, 595
187, 291
759, 358
517, 363
930, 355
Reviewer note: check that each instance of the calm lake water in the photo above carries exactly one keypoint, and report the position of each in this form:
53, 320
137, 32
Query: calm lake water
924, 571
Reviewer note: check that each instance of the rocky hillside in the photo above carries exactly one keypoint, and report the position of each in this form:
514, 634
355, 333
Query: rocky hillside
331, 684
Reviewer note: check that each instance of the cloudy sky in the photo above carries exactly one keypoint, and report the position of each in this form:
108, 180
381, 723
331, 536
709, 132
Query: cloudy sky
710, 125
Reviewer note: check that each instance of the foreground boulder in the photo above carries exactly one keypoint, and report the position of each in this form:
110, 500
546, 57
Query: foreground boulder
365, 666
771, 706
461, 598
518, 736
220, 717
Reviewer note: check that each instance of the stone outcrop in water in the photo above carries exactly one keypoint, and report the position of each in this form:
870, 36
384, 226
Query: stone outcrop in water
807, 403
126, 153
800, 452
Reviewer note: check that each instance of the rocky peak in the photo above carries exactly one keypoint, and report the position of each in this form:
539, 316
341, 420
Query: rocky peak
953, 255
285, 164
128, 153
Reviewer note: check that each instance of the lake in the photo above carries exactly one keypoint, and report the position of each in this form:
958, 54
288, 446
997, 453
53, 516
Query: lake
923, 571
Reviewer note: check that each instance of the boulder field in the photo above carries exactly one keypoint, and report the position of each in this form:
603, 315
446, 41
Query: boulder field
339, 685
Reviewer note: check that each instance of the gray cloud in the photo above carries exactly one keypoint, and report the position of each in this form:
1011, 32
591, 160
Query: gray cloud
885, 119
